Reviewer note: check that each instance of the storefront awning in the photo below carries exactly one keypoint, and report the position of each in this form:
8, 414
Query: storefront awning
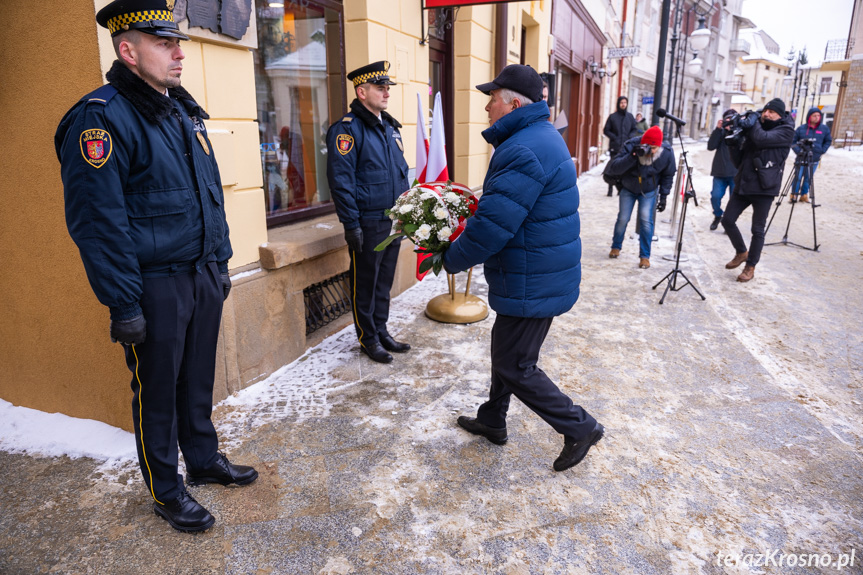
741, 99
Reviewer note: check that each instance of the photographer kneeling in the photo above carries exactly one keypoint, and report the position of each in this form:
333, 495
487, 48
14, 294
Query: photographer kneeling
759, 147
645, 167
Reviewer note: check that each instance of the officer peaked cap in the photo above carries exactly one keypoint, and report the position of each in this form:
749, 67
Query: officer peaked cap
374, 73
154, 17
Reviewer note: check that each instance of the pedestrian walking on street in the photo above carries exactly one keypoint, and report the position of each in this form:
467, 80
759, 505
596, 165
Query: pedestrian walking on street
526, 230
646, 170
641, 123
760, 158
619, 127
815, 130
722, 169
367, 171
144, 204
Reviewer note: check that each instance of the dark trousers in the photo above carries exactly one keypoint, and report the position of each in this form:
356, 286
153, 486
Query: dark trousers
760, 210
172, 377
371, 279
515, 345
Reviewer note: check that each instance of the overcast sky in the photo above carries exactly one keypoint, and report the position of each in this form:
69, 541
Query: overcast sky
801, 22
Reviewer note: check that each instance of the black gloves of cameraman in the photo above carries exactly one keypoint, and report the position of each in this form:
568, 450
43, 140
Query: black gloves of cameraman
354, 238
748, 120
660, 206
129, 331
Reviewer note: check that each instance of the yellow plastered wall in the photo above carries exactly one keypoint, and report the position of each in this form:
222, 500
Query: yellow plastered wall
220, 76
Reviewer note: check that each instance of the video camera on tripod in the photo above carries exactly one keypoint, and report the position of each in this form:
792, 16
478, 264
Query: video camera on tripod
806, 144
738, 125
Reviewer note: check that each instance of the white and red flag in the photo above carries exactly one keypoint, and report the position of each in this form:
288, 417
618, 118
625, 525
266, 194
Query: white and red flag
431, 155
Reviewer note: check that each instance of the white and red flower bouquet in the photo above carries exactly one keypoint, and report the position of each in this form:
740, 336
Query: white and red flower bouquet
431, 215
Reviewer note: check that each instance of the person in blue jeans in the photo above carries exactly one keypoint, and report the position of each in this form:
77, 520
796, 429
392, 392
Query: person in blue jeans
646, 169
722, 170
815, 130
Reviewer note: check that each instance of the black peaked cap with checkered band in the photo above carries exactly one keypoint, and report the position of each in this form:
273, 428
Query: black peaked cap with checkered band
374, 73
154, 17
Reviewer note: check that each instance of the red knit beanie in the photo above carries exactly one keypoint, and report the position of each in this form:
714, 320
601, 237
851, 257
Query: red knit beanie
652, 137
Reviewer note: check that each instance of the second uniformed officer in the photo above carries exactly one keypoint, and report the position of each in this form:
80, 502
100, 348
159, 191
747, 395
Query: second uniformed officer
367, 171
144, 205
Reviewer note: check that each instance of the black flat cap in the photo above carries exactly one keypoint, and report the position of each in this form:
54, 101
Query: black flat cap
518, 78
155, 17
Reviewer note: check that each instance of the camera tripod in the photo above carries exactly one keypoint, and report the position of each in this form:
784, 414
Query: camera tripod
802, 167
689, 192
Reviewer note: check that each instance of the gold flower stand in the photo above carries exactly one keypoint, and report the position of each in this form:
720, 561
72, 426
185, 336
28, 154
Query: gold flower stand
454, 307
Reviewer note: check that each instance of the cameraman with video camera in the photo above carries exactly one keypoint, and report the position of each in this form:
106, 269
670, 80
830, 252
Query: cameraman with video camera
723, 169
646, 168
815, 137
759, 146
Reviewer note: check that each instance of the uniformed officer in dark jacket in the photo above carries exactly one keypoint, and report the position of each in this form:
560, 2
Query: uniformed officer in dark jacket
144, 205
760, 159
367, 171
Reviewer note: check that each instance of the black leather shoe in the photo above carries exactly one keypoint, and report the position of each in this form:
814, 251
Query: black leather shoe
496, 435
185, 514
392, 345
224, 472
715, 223
574, 452
377, 353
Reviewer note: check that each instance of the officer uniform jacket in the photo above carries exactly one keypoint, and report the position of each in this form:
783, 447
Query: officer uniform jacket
142, 189
526, 227
366, 165
761, 158
640, 179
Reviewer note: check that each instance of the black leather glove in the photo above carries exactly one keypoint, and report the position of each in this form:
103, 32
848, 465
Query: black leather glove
226, 284
129, 331
661, 205
748, 121
354, 238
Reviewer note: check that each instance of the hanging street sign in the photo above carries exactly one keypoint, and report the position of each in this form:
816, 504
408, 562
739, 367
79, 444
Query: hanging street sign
626, 52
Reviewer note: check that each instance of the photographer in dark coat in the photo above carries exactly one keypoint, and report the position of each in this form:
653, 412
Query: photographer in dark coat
813, 129
646, 168
722, 170
619, 127
759, 153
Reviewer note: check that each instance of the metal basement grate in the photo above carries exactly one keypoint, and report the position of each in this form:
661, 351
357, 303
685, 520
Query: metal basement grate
326, 301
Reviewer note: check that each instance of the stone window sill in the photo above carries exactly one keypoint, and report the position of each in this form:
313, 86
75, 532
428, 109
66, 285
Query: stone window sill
301, 241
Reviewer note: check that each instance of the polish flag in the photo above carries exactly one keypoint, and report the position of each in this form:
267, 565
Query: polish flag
422, 144
431, 156
436, 169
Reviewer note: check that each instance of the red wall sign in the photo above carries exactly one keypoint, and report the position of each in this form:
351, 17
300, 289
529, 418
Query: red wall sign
453, 3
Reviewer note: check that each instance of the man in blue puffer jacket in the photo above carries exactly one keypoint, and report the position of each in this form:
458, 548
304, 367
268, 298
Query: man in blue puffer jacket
526, 230
813, 129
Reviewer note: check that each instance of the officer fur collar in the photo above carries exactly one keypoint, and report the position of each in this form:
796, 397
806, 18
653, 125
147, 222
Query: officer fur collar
370, 119
151, 104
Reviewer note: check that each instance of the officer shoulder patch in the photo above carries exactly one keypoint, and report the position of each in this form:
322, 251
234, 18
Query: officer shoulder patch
96, 146
347, 119
345, 143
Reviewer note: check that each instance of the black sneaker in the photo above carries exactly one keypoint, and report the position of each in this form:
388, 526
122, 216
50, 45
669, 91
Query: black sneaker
573, 452
184, 513
224, 472
715, 223
496, 435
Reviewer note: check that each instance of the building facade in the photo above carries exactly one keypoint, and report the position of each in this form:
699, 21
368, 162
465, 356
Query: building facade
272, 79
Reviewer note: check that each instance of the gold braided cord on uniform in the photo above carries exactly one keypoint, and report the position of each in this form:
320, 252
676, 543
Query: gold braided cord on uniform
117, 22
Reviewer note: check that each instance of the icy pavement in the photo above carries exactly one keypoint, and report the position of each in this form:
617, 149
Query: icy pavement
733, 427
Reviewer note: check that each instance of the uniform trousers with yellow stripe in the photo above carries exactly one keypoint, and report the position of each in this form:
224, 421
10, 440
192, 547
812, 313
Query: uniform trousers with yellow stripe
371, 279
172, 377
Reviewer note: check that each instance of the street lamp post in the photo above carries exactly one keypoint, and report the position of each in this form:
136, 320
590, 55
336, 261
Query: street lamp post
698, 40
